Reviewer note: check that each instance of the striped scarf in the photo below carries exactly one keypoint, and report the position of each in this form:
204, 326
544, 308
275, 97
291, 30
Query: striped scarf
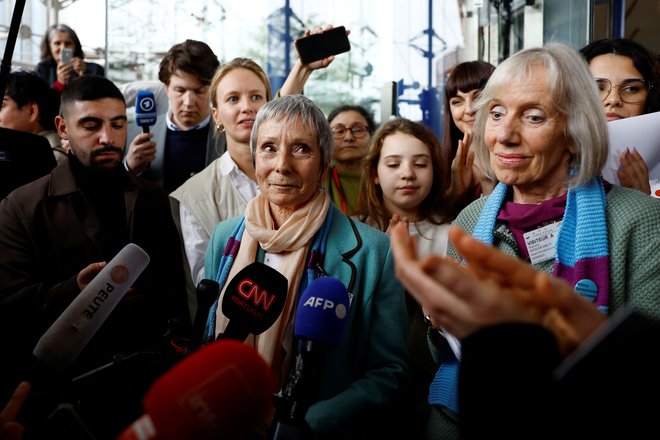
581, 258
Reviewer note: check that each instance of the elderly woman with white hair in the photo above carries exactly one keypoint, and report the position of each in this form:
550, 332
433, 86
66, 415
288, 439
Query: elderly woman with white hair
293, 227
541, 132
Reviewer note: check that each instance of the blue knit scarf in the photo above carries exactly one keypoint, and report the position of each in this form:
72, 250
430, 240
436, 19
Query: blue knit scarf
581, 258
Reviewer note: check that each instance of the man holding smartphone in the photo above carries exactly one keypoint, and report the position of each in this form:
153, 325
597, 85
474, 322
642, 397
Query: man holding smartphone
62, 58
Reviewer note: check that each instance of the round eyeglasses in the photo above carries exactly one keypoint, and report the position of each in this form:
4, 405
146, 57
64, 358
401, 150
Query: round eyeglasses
631, 91
358, 131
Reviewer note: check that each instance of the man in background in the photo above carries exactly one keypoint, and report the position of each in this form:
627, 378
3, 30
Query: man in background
55, 233
30, 105
182, 142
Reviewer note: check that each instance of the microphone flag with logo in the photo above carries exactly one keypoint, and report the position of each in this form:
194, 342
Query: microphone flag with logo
253, 301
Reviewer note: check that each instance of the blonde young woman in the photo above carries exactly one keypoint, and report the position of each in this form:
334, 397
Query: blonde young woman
238, 90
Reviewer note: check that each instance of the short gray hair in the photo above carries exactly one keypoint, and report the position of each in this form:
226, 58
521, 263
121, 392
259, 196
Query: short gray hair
292, 108
574, 95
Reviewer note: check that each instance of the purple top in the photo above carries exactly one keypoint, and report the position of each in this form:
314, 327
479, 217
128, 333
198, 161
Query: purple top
522, 218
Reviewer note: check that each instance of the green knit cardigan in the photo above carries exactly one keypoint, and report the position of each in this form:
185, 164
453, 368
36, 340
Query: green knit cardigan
633, 223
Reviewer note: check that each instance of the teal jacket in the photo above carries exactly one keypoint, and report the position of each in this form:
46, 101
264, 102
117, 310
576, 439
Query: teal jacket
366, 374
633, 225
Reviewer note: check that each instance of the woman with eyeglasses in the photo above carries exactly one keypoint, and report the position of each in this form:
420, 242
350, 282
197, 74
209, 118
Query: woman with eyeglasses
625, 73
352, 127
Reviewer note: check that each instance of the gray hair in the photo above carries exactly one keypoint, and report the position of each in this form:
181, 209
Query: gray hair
574, 95
294, 108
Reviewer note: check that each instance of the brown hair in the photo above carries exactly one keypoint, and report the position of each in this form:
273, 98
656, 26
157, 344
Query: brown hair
465, 77
191, 56
370, 203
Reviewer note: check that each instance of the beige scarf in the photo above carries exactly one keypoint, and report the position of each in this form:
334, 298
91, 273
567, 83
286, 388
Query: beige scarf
293, 239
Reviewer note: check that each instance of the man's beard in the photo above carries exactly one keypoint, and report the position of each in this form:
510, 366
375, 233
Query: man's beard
94, 162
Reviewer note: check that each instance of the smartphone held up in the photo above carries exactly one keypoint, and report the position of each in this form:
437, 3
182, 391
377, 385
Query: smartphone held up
318, 46
67, 55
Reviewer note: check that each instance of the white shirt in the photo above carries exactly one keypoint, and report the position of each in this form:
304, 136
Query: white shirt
431, 238
195, 237
172, 125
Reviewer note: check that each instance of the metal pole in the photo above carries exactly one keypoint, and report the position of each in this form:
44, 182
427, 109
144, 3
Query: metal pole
5, 65
618, 18
430, 51
287, 37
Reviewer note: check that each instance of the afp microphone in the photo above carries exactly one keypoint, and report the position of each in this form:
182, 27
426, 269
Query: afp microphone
222, 391
320, 321
69, 334
145, 110
253, 300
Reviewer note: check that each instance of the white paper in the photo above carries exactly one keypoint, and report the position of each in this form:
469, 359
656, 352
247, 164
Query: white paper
640, 132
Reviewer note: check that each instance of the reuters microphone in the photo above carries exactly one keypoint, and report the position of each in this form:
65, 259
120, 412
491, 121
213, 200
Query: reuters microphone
321, 317
72, 330
145, 110
222, 391
253, 301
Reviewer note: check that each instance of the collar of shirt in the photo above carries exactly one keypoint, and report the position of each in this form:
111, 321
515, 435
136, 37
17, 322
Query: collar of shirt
172, 126
245, 186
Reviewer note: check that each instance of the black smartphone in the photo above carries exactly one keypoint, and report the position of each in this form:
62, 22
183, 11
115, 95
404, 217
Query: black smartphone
318, 46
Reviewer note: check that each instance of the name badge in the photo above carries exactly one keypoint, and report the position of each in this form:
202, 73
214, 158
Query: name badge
541, 243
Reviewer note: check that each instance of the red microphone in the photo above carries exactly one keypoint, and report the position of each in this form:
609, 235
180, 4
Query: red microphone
224, 390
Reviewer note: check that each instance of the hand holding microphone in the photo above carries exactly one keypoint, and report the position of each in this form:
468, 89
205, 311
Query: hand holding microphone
142, 149
72, 330
320, 320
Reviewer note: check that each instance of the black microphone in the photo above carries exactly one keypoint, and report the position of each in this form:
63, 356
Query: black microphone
69, 334
207, 292
320, 320
253, 300
145, 110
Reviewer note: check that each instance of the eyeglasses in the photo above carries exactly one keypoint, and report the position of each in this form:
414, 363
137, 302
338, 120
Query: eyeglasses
631, 91
358, 131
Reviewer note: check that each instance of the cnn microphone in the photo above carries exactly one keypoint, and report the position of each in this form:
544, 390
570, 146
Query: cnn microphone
253, 300
69, 334
320, 321
222, 391
145, 110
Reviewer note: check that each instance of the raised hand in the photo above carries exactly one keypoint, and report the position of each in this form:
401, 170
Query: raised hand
10, 429
295, 81
492, 288
141, 152
461, 170
64, 72
633, 172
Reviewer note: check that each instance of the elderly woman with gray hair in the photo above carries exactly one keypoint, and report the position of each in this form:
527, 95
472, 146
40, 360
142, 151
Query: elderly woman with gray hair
293, 227
541, 132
